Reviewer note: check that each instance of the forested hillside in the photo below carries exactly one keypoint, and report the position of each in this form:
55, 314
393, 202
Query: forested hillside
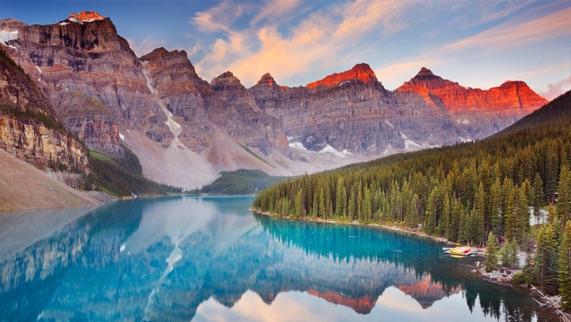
123, 176
463, 192
242, 181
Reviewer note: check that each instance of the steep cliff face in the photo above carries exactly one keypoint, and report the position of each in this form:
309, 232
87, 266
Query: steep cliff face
204, 109
180, 90
32, 141
92, 77
200, 108
480, 112
234, 108
185, 129
513, 97
27, 127
351, 113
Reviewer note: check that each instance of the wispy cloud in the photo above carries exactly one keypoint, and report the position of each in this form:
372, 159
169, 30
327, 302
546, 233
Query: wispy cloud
218, 18
494, 40
275, 9
300, 41
320, 38
556, 89
543, 28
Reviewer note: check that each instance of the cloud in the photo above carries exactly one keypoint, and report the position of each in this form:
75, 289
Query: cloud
223, 50
319, 40
300, 41
283, 57
218, 18
395, 74
556, 89
546, 27
360, 16
275, 9
493, 39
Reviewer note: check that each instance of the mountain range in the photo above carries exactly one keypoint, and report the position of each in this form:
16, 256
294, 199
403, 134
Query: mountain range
186, 130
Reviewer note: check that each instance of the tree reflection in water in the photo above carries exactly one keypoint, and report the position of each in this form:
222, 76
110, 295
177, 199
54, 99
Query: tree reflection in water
164, 259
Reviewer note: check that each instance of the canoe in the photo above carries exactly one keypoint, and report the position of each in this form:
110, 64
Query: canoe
461, 251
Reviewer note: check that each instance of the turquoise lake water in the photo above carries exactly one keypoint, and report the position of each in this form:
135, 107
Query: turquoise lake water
211, 259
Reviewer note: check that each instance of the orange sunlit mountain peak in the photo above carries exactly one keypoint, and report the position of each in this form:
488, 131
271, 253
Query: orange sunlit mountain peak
361, 72
85, 16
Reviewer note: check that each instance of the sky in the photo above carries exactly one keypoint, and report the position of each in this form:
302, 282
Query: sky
476, 43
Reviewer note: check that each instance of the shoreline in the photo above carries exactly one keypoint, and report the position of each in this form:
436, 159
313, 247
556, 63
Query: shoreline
393, 228
531, 291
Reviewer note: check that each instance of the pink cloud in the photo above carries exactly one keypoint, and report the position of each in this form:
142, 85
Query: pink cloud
556, 89
550, 26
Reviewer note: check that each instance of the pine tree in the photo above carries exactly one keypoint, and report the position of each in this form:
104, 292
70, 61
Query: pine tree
537, 194
340, 198
565, 266
521, 216
456, 213
551, 172
315, 204
430, 220
508, 255
322, 208
299, 204
513, 260
491, 262
351, 208
564, 194
510, 214
414, 214
445, 218
495, 208
368, 205
546, 259
478, 215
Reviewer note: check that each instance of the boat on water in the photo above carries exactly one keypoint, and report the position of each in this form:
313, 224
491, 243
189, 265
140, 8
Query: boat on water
461, 251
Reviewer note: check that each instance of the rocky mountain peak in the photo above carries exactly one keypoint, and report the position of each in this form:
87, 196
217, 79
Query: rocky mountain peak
11, 23
161, 52
508, 98
425, 79
425, 73
226, 81
520, 92
361, 72
517, 84
156, 53
85, 16
267, 80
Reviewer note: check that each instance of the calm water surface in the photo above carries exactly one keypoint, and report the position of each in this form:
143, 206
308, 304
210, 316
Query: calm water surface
210, 259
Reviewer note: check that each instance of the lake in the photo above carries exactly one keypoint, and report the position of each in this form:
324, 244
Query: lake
211, 259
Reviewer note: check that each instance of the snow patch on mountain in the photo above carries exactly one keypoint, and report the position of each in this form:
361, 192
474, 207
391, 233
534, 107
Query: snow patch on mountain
8, 35
294, 144
328, 149
410, 145
174, 127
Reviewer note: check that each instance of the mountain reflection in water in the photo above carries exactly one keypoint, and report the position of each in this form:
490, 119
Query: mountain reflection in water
179, 259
